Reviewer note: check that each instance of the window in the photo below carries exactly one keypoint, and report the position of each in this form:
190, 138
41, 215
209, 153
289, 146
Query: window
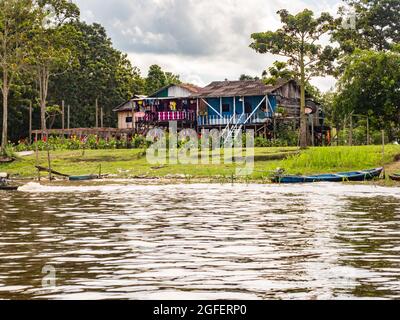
128, 119
248, 108
226, 108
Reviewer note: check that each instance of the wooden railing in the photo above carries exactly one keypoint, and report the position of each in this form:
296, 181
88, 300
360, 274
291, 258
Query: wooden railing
169, 116
176, 116
215, 120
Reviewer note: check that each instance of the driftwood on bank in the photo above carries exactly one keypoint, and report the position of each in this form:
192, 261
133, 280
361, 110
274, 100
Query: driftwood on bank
43, 169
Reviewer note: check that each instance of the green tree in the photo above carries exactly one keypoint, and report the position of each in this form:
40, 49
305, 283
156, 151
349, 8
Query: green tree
376, 25
278, 71
53, 46
155, 79
245, 77
104, 73
171, 78
18, 18
297, 40
370, 85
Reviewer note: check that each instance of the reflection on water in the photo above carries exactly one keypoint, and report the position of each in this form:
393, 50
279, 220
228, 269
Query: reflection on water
320, 241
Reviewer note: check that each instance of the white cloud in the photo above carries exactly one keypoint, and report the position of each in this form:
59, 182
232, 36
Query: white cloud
202, 40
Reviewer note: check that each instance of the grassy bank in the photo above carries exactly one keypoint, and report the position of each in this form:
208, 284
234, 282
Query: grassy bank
133, 163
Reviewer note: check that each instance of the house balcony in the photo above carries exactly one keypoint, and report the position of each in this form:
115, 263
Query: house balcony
176, 116
169, 116
240, 119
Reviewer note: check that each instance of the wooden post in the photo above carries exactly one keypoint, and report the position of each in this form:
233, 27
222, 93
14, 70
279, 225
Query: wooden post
234, 109
68, 119
49, 161
36, 149
133, 115
351, 130
197, 116
97, 113
30, 122
312, 131
383, 146
63, 119
37, 156
220, 106
344, 131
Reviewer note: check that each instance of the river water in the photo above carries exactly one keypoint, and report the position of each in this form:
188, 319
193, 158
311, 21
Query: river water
199, 241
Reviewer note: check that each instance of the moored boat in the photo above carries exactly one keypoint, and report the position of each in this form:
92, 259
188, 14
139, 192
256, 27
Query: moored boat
363, 175
5, 186
8, 188
83, 178
395, 177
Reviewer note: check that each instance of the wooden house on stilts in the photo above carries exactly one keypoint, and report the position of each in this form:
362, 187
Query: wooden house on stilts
250, 105
171, 103
223, 105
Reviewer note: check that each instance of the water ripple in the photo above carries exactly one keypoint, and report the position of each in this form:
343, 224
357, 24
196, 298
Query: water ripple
201, 241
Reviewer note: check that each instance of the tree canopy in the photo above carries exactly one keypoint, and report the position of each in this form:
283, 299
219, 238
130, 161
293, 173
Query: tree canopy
18, 21
278, 71
370, 86
157, 79
297, 40
377, 25
103, 73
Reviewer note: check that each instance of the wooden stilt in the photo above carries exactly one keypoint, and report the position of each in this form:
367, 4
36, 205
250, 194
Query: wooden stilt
49, 161
97, 113
30, 122
63, 119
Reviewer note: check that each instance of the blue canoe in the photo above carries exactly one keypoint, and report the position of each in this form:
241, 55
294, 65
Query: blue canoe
83, 178
337, 177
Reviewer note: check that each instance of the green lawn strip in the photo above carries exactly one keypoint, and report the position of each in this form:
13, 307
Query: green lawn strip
133, 163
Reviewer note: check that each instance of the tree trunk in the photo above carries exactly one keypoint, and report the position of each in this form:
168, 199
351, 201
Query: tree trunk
303, 118
5, 89
43, 90
43, 115
4, 139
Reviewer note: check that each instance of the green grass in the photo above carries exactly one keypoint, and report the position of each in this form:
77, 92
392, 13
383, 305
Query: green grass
133, 163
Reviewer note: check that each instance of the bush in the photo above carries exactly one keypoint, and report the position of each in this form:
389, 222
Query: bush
91, 142
8, 151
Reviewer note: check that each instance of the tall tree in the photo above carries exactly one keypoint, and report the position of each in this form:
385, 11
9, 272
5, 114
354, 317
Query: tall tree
370, 85
155, 79
103, 73
18, 18
53, 48
171, 78
376, 25
297, 40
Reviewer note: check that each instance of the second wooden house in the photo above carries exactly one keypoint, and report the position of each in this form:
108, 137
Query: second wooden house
171, 103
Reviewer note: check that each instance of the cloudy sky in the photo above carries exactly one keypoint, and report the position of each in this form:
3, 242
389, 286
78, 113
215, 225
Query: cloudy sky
202, 40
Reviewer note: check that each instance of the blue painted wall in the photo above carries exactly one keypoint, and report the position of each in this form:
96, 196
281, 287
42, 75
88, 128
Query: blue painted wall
253, 101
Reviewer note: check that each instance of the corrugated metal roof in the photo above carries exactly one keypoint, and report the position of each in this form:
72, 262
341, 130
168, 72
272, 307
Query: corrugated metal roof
190, 87
127, 106
238, 88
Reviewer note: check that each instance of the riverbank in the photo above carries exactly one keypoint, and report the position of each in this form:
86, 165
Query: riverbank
133, 164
